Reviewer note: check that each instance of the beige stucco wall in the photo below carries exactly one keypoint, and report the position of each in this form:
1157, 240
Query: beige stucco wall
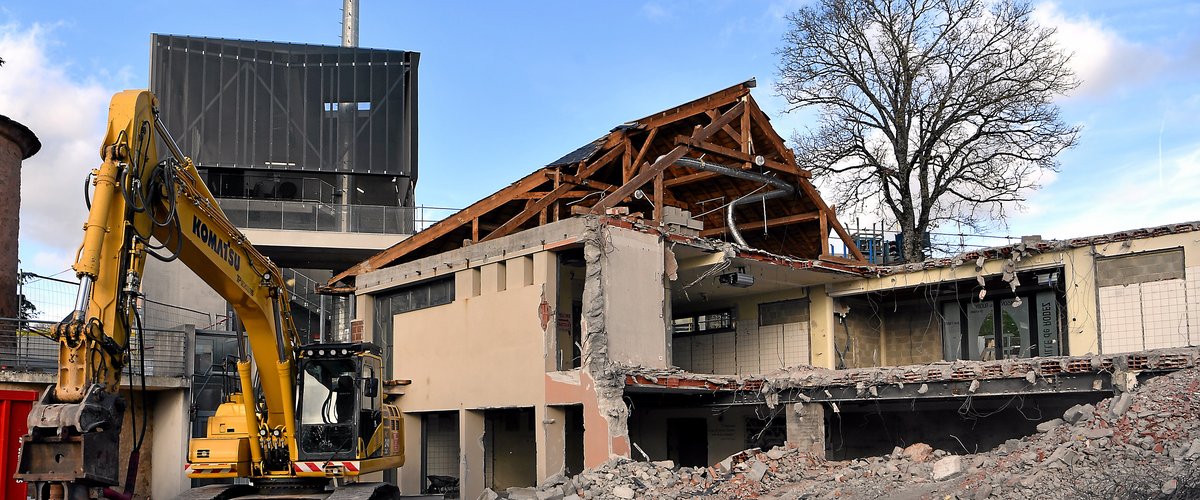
476, 352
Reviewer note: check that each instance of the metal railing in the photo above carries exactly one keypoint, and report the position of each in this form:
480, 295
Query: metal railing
25, 346
320, 216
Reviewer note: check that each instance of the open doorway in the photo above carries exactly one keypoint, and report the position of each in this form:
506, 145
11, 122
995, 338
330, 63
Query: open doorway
574, 439
509, 448
687, 441
439, 453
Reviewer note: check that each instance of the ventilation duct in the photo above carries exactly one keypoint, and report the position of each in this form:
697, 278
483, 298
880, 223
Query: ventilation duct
781, 190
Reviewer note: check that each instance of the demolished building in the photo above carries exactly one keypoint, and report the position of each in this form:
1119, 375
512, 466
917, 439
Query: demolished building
669, 291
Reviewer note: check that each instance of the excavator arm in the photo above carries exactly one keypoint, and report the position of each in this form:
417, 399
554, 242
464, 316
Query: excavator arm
146, 206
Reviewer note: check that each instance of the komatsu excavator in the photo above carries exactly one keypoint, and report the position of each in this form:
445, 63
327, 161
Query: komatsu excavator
310, 421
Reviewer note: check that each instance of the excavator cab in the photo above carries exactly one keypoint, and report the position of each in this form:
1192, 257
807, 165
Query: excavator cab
340, 407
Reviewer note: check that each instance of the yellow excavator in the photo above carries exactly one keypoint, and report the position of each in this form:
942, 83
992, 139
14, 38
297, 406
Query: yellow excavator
308, 420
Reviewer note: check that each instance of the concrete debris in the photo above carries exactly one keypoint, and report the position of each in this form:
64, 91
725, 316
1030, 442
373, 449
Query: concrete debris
757, 470
623, 492
1079, 413
947, 467
1150, 449
918, 452
1049, 425
1121, 405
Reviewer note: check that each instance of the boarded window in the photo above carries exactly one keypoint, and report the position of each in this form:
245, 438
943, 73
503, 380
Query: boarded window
783, 312
1140, 267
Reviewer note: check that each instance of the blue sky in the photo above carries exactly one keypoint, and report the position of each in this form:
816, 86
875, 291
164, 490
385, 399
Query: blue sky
508, 86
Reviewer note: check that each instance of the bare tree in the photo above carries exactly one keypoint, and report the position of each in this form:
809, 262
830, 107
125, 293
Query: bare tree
941, 111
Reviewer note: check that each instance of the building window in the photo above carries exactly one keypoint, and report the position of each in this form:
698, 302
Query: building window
419, 296
707, 322
1019, 326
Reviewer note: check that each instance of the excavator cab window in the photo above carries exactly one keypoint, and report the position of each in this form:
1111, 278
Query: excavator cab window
329, 407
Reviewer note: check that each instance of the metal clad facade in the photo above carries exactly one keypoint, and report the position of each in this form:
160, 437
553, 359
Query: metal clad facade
280, 106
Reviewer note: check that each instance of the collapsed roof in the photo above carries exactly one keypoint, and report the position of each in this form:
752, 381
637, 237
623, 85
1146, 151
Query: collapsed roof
702, 156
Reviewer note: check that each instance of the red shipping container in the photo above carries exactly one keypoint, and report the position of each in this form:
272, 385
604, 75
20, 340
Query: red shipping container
14, 412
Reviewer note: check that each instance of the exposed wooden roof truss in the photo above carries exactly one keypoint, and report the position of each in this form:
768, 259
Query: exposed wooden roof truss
635, 166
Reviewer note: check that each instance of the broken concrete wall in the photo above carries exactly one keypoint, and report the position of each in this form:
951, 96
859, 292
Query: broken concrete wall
607, 379
1148, 293
912, 336
634, 295
483, 350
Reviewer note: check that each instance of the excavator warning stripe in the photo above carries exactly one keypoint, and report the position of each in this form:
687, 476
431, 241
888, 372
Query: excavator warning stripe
320, 466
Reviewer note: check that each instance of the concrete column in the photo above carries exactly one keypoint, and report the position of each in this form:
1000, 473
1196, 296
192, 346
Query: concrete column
170, 444
364, 309
820, 328
551, 441
806, 427
470, 444
410, 474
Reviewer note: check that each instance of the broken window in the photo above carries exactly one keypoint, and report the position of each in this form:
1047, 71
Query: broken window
707, 322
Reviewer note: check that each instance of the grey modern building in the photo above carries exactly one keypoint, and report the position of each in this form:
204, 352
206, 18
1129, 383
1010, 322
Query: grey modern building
311, 150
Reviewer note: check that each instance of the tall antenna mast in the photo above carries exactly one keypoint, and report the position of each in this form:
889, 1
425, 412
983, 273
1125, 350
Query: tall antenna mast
349, 23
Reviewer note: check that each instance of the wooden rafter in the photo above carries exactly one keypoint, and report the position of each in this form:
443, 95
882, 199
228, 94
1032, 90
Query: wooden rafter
747, 142
764, 125
631, 153
695, 107
585, 171
738, 155
642, 152
689, 178
778, 221
831, 219
534, 195
445, 226
728, 129
665, 161
592, 183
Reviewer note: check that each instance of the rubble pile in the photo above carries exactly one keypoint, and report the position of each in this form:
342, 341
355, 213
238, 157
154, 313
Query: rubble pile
1142, 443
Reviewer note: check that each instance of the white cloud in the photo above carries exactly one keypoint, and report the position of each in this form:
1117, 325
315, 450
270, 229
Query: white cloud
655, 12
1141, 195
1101, 58
68, 117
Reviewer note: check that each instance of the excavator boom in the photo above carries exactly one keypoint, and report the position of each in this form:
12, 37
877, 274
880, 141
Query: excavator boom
146, 206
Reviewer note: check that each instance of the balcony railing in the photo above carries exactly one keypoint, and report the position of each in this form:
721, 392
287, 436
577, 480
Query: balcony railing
318, 216
25, 346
